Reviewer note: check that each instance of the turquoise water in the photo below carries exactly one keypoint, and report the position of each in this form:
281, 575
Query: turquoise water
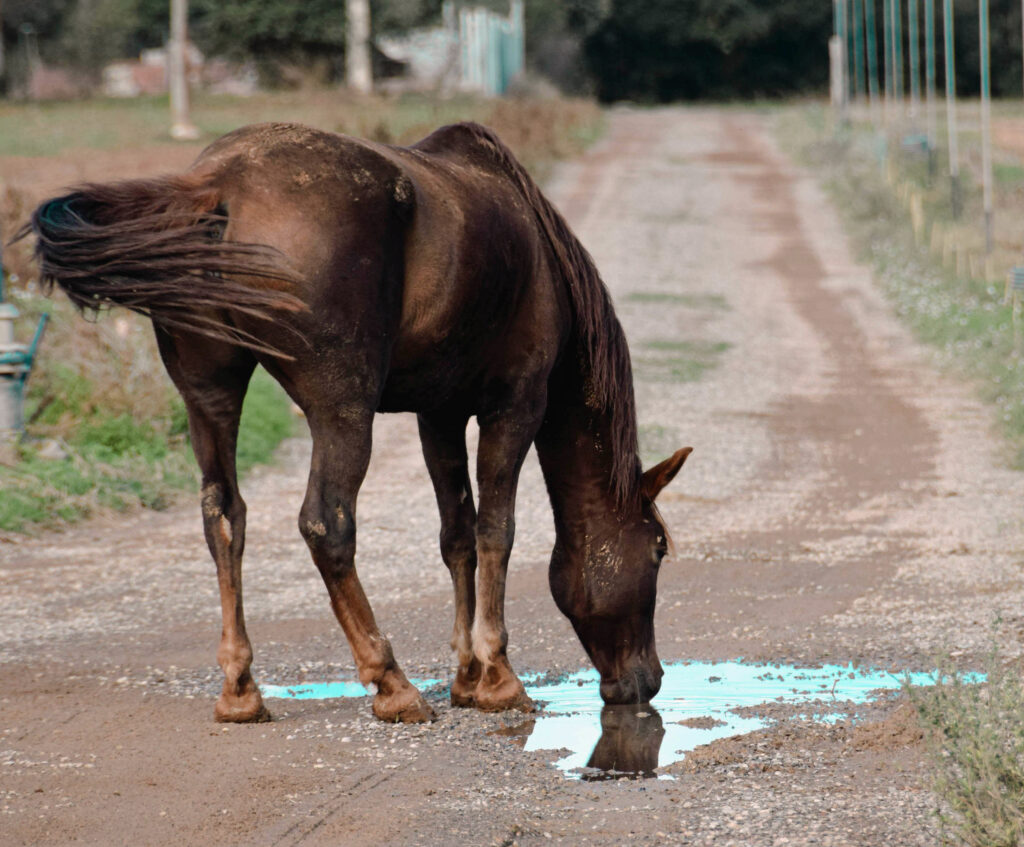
331, 690
638, 739
572, 714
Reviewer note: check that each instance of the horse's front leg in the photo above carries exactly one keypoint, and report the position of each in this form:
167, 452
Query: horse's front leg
444, 449
341, 452
213, 379
504, 443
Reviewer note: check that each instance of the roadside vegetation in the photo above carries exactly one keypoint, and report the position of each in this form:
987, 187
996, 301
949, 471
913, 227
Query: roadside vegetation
976, 738
932, 268
898, 213
106, 429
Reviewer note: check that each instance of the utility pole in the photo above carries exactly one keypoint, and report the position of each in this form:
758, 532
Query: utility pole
358, 71
182, 127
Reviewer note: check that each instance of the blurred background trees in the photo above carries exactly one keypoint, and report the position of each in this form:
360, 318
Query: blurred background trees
645, 50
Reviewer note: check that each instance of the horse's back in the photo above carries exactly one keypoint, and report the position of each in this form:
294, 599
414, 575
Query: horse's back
432, 247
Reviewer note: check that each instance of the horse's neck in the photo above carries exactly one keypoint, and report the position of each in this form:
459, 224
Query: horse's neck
575, 451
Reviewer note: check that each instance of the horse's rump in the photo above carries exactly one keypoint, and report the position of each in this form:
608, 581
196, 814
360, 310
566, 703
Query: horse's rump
154, 246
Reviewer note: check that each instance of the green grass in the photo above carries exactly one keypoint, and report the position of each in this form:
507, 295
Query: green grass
1008, 174
116, 462
657, 442
706, 301
977, 744
665, 360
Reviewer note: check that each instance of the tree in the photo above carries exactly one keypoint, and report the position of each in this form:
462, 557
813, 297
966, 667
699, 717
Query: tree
671, 49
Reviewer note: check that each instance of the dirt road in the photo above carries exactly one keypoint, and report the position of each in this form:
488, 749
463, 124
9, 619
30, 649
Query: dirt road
844, 503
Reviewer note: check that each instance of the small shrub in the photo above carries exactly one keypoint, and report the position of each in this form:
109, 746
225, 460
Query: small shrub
976, 734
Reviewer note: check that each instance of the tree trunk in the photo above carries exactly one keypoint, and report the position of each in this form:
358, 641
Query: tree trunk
358, 72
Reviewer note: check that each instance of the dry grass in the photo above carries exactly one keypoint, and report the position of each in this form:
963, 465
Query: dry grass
977, 742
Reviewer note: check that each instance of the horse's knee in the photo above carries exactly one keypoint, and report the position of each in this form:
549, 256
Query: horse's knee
330, 535
223, 516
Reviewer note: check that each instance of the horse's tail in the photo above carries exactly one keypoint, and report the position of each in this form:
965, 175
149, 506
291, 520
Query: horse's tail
154, 246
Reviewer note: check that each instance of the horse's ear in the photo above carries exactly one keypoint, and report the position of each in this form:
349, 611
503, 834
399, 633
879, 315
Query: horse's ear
656, 478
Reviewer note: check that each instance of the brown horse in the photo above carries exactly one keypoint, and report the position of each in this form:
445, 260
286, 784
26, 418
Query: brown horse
368, 278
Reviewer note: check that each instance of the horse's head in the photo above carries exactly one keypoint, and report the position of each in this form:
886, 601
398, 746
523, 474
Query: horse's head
607, 584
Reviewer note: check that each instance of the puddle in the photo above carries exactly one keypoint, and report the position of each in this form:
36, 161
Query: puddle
697, 704
330, 690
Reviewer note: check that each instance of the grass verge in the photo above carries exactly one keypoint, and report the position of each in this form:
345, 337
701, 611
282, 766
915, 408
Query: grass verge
959, 314
976, 740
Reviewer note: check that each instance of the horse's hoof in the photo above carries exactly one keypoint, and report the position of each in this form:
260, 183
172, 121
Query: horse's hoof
240, 713
464, 687
462, 700
388, 709
509, 696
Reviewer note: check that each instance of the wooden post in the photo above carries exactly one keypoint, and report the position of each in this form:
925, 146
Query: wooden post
182, 127
358, 70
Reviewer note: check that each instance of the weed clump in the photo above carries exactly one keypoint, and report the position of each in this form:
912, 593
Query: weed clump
976, 736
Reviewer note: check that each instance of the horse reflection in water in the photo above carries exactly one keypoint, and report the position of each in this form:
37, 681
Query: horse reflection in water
629, 745
370, 278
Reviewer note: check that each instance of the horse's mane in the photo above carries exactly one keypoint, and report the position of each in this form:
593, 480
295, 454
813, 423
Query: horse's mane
600, 340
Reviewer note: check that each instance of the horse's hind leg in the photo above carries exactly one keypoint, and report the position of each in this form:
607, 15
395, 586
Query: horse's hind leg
341, 453
212, 379
444, 449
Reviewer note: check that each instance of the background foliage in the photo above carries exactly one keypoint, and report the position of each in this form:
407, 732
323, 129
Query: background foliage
646, 50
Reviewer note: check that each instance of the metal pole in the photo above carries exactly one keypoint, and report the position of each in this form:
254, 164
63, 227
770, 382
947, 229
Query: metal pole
842, 20
358, 71
887, 53
915, 60
897, 49
986, 120
954, 156
858, 48
182, 127
929, 70
869, 28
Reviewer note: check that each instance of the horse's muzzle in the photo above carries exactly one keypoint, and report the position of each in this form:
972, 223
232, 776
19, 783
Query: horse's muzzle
638, 685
